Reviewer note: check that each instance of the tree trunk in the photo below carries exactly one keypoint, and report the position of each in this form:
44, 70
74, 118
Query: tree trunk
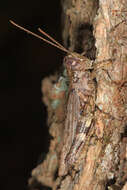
99, 29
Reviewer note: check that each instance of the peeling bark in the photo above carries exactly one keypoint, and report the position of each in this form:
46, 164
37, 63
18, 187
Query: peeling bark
103, 160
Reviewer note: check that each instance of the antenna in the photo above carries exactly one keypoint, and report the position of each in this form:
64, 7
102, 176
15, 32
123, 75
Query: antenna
52, 39
53, 42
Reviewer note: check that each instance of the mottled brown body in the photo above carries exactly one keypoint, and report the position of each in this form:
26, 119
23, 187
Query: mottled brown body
79, 113
80, 104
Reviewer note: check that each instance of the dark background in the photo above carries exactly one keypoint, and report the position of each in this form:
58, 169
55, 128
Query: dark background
24, 62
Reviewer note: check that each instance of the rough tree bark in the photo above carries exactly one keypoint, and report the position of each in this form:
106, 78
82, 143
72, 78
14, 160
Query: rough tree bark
98, 28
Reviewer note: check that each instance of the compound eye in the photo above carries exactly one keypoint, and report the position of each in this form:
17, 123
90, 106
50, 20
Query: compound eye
71, 61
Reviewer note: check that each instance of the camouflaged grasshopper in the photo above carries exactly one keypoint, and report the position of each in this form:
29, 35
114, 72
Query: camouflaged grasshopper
79, 111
